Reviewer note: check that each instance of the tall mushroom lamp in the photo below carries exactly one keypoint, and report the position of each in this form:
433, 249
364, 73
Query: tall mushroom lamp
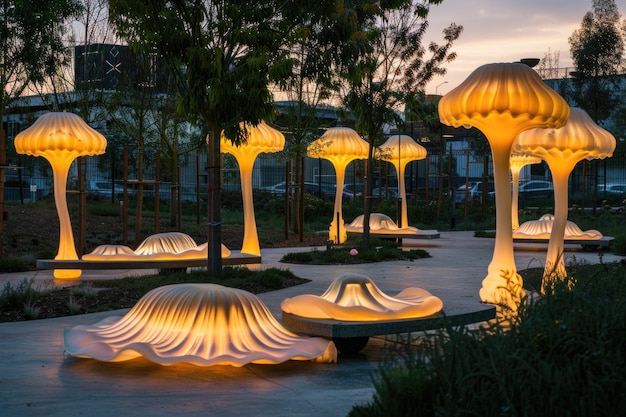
502, 100
517, 162
60, 138
400, 150
339, 145
580, 138
261, 138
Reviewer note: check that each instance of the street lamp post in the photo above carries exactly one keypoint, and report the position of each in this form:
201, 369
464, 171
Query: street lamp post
439, 85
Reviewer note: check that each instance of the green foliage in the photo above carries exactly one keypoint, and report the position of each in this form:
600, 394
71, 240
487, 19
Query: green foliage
18, 295
597, 49
563, 355
379, 251
13, 265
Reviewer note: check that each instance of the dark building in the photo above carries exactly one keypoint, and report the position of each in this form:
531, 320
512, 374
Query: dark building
112, 67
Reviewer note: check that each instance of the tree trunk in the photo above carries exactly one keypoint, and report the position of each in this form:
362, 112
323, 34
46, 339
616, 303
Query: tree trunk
214, 201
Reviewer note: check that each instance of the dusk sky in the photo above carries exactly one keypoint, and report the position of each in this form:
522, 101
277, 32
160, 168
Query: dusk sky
505, 31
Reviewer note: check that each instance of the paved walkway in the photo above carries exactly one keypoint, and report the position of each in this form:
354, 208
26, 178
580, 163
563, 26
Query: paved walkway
37, 380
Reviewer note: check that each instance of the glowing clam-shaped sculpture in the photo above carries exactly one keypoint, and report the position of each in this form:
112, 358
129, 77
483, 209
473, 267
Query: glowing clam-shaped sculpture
61, 138
161, 246
542, 229
354, 297
261, 139
502, 100
379, 222
200, 324
340, 145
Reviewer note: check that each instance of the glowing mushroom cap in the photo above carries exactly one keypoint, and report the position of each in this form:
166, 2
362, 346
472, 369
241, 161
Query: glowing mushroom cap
339, 142
520, 160
60, 132
581, 137
401, 146
513, 92
261, 138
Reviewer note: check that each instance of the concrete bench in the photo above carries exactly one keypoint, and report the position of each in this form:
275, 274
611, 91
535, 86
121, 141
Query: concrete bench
233, 259
351, 337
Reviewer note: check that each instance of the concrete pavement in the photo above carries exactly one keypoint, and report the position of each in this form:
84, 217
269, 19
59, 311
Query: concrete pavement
36, 379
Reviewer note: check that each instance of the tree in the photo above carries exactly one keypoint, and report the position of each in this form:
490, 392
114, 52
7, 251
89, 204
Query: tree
384, 63
31, 33
223, 54
597, 49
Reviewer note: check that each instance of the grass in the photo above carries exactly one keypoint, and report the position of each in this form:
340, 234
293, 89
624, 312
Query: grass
564, 354
379, 251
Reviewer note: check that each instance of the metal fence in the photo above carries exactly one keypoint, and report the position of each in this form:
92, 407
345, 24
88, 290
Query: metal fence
437, 175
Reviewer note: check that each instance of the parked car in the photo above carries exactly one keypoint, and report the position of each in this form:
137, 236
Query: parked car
459, 193
475, 192
349, 192
328, 190
103, 189
385, 192
535, 189
612, 190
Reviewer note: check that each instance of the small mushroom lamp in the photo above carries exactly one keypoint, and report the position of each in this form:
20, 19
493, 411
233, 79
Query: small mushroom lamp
580, 138
356, 298
399, 150
518, 161
60, 138
502, 100
199, 324
339, 145
261, 138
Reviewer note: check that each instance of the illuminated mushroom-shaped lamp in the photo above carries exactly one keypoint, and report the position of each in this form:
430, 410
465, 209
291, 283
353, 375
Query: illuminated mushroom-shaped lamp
200, 324
261, 138
518, 161
60, 138
400, 150
340, 145
502, 100
580, 138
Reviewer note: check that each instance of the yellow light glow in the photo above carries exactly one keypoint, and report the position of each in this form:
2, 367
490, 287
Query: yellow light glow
200, 324
354, 297
160, 246
542, 229
339, 145
502, 100
60, 138
379, 222
580, 138
261, 138
517, 162
400, 150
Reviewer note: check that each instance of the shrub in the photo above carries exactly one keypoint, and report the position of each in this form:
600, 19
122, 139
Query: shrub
12, 265
565, 354
19, 295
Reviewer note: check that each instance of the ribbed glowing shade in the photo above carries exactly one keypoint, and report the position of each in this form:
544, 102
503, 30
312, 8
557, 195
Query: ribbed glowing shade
580, 138
517, 162
60, 138
201, 324
542, 229
502, 100
339, 145
261, 138
400, 150
355, 297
